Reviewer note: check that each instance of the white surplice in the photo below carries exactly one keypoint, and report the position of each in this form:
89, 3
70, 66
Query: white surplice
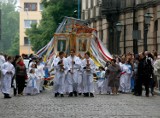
72, 75
40, 74
60, 75
80, 78
88, 76
2, 61
7, 77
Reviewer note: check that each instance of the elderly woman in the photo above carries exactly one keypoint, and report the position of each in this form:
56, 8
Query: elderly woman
113, 73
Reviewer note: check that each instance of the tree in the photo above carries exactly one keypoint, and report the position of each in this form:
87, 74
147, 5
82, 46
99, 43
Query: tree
9, 24
53, 14
14, 50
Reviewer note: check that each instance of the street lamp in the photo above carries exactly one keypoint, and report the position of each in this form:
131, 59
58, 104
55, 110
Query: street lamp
79, 9
147, 19
119, 26
119, 29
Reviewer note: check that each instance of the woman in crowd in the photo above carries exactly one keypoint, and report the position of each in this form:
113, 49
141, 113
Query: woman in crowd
21, 75
113, 76
14, 84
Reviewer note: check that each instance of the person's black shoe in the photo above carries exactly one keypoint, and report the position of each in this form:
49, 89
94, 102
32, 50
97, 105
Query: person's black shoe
79, 94
62, 95
56, 94
7, 96
91, 95
138, 95
15, 92
70, 94
86, 94
119, 91
152, 93
75, 93
134, 93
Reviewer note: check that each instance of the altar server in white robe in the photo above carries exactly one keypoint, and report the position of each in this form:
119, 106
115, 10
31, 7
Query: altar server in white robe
72, 76
80, 76
2, 61
40, 74
88, 70
8, 72
61, 68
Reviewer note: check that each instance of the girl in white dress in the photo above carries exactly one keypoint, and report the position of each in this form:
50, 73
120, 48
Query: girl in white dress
32, 87
101, 80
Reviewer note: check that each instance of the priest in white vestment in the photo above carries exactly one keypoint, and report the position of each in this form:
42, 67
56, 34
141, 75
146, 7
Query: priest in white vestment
88, 70
72, 77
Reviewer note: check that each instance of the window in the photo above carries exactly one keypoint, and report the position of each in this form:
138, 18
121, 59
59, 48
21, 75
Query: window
156, 25
26, 41
101, 34
27, 23
30, 6
41, 7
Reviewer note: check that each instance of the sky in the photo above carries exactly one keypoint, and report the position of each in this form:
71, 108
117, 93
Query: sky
17, 3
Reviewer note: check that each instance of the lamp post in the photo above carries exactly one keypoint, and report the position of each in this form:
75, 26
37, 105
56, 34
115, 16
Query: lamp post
135, 44
147, 19
79, 9
119, 29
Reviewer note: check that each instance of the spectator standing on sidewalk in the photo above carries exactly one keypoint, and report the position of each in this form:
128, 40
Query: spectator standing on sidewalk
114, 72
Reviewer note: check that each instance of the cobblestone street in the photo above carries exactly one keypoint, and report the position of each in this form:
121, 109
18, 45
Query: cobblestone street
101, 106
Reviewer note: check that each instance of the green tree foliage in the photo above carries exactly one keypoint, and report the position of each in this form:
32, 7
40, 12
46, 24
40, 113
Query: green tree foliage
14, 49
53, 14
9, 24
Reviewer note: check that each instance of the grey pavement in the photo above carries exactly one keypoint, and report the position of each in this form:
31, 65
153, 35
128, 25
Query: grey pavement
45, 105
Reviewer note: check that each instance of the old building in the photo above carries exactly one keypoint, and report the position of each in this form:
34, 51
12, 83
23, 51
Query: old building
105, 14
30, 12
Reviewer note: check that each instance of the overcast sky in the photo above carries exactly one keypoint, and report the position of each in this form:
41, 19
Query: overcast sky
17, 3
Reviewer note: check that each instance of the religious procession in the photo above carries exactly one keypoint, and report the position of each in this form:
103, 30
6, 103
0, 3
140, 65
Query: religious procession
75, 75
76, 63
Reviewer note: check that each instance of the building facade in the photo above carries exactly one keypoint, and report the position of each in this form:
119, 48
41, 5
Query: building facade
30, 12
105, 14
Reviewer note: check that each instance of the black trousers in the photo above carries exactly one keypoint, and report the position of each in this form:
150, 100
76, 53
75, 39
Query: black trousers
138, 87
146, 82
20, 83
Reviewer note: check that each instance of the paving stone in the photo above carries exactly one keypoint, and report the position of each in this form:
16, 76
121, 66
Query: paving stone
45, 105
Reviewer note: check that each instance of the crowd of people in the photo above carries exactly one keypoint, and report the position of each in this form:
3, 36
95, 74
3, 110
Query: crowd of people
75, 75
